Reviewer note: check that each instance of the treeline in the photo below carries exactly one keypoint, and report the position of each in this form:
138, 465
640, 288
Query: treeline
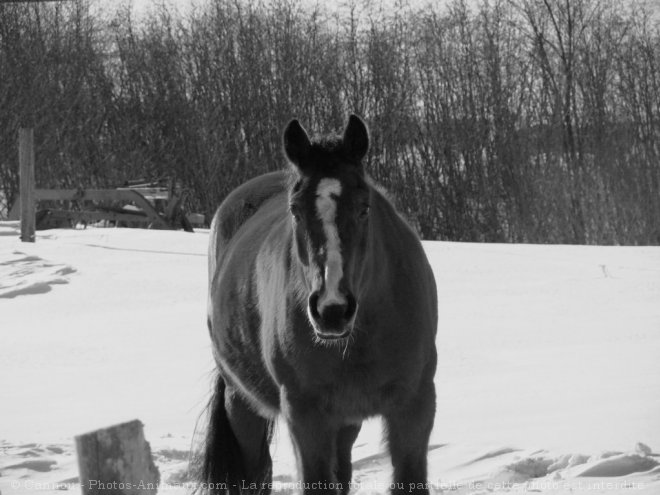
512, 121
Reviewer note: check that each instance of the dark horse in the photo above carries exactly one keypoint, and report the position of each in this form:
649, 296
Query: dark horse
322, 309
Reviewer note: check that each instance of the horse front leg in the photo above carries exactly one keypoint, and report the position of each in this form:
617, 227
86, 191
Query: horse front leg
345, 440
315, 440
408, 428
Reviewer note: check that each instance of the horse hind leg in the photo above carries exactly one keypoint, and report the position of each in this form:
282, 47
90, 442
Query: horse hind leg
345, 440
253, 434
236, 451
221, 462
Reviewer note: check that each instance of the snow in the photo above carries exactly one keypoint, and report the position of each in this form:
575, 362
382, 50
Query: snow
21, 274
548, 377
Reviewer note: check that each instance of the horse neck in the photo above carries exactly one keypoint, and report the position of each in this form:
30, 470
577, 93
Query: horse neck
378, 262
297, 286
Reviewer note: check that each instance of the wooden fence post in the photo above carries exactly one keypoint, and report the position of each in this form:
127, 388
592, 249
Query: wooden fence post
116, 460
26, 166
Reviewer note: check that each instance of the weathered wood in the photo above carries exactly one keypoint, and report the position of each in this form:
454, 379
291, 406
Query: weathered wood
173, 216
96, 216
26, 187
96, 194
116, 460
117, 195
146, 207
196, 219
153, 193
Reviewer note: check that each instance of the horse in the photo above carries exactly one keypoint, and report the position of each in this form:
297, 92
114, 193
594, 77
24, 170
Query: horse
322, 310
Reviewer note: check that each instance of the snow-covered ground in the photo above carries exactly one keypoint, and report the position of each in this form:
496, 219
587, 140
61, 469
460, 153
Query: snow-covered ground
548, 378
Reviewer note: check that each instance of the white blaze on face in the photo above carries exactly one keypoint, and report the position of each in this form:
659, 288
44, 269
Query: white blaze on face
326, 209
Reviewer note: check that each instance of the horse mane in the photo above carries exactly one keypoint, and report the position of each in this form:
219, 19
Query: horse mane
328, 143
394, 204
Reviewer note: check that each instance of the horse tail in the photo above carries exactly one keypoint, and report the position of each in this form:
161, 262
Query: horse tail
222, 470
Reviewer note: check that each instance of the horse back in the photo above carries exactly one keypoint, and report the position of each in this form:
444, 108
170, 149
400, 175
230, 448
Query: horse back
238, 207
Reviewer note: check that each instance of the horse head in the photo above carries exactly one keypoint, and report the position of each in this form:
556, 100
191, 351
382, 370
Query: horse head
329, 207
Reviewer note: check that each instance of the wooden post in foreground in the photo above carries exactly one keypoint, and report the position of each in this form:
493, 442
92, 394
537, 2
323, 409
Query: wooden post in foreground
26, 169
116, 460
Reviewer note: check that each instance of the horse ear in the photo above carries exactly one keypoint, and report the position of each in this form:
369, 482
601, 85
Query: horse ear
356, 138
296, 143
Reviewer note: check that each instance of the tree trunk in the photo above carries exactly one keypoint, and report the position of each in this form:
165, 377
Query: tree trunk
116, 460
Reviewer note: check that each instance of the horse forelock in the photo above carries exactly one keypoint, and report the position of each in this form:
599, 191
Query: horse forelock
327, 156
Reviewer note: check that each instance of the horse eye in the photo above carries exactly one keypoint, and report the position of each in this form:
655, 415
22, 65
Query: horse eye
364, 212
295, 212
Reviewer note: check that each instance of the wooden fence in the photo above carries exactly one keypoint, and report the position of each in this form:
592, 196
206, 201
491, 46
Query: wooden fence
133, 206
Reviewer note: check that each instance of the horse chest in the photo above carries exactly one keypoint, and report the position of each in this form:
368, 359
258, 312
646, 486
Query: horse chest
360, 400
366, 379
354, 390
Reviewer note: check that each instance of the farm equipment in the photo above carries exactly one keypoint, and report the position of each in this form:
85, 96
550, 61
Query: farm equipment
135, 204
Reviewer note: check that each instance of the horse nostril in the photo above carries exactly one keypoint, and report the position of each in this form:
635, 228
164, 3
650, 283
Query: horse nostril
333, 314
338, 313
351, 307
312, 303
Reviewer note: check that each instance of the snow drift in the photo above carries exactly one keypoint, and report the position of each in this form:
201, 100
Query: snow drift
548, 376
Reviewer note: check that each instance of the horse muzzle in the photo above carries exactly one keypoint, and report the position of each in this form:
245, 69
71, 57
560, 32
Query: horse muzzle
333, 320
